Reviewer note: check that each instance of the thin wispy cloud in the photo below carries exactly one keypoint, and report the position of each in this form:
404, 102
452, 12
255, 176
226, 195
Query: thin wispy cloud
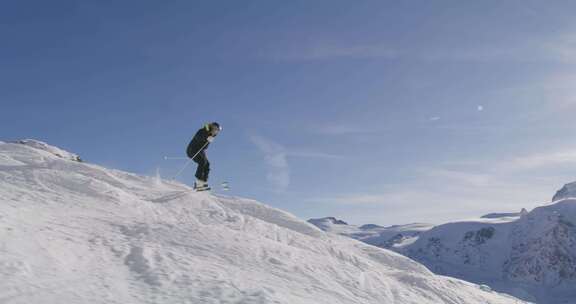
339, 129
562, 47
468, 178
559, 92
559, 48
356, 199
421, 202
275, 156
543, 160
476, 187
430, 185
564, 157
342, 129
311, 154
319, 51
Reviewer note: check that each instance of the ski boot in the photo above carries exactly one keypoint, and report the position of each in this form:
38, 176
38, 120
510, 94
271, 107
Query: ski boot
201, 185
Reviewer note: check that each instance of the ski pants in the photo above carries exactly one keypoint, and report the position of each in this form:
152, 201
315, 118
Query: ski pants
203, 166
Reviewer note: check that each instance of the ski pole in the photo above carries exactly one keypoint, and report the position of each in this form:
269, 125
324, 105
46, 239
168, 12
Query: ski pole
174, 158
188, 162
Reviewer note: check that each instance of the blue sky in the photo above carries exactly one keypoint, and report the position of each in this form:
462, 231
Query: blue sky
386, 112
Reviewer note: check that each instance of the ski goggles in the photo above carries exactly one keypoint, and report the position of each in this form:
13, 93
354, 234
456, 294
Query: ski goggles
215, 129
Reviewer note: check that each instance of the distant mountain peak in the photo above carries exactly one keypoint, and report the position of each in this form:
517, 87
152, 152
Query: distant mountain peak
500, 215
567, 191
329, 219
370, 226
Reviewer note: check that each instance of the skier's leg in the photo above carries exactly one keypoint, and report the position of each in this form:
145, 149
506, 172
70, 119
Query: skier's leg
206, 172
203, 166
199, 170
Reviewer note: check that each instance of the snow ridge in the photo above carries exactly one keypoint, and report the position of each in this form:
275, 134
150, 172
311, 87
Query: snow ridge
568, 191
48, 148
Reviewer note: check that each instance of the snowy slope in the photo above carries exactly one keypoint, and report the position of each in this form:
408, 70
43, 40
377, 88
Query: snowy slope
73, 232
385, 237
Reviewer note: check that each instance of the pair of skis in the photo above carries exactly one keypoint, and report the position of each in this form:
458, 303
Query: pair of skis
223, 186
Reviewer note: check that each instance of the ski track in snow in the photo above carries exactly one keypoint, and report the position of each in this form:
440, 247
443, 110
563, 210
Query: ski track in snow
73, 232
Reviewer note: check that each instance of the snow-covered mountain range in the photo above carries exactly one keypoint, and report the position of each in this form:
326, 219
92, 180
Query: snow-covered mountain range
74, 232
385, 237
531, 255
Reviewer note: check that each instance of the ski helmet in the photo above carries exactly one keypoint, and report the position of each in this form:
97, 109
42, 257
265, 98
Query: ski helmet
215, 127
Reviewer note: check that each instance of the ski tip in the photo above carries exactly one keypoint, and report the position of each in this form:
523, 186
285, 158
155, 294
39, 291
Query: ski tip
225, 186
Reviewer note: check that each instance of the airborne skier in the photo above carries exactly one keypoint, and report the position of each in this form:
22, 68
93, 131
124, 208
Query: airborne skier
196, 151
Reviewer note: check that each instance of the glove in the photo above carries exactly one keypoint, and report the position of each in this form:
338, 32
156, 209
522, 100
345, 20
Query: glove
210, 139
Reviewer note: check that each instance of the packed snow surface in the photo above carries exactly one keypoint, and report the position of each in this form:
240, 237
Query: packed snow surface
73, 232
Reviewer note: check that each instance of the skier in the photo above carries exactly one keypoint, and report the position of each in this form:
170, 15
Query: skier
196, 151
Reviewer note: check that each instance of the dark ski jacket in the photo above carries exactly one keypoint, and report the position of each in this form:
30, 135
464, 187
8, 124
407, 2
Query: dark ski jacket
199, 140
